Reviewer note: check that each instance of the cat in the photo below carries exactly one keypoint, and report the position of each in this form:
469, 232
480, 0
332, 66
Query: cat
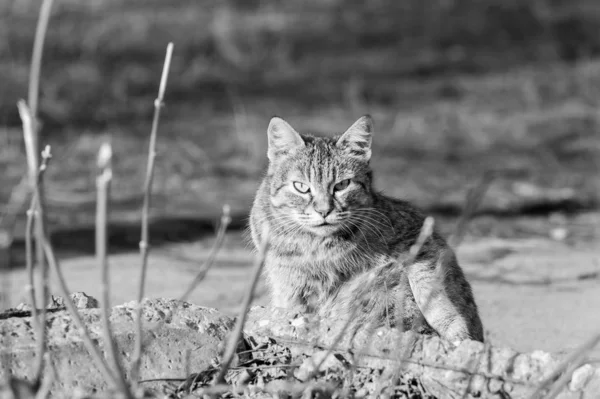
338, 248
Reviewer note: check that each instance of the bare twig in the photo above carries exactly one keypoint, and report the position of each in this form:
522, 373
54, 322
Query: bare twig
241, 319
424, 234
566, 368
87, 340
37, 205
39, 325
32, 99
49, 254
47, 246
103, 187
225, 221
144, 242
36, 59
49, 379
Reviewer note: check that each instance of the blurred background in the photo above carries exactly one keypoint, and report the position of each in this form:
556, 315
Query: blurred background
457, 88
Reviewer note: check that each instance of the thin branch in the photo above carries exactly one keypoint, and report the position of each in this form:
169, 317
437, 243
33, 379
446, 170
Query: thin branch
144, 242
424, 234
36, 59
48, 251
39, 325
37, 205
87, 340
103, 187
566, 368
225, 221
32, 99
235, 336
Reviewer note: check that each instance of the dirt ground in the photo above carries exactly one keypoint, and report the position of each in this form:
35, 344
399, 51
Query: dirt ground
536, 279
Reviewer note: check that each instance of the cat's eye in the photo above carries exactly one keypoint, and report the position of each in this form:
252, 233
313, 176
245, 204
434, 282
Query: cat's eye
341, 185
301, 187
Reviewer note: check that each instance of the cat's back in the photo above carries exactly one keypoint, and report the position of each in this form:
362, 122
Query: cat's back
405, 219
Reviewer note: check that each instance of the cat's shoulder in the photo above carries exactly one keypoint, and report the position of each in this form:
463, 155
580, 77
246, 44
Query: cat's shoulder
399, 207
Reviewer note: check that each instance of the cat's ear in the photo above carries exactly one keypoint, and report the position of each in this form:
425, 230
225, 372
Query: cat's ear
282, 138
356, 141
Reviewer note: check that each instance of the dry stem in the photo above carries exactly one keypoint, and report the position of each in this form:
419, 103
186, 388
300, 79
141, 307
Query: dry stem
29, 136
424, 234
144, 244
37, 204
241, 319
225, 220
87, 340
39, 325
32, 99
103, 186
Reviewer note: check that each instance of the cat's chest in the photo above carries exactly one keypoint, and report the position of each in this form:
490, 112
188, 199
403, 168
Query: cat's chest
323, 256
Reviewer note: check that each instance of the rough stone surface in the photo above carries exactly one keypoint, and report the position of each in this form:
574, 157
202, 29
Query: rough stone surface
171, 330
445, 370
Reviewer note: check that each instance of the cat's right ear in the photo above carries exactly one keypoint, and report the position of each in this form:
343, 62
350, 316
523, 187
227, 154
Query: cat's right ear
282, 138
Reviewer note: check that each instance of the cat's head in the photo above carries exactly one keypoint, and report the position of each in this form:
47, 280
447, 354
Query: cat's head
319, 184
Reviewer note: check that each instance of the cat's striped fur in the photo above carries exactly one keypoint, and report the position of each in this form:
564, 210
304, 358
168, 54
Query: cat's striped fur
336, 244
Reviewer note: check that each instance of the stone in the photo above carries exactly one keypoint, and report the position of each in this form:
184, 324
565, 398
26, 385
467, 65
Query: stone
171, 330
83, 301
175, 331
445, 370
580, 377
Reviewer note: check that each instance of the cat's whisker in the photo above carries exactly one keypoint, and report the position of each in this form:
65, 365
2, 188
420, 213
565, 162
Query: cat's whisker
377, 212
365, 240
369, 225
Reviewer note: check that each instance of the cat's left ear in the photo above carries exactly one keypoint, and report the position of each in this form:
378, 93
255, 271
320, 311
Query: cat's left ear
282, 138
356, 141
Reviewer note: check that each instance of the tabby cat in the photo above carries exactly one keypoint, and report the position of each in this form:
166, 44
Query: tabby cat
337, 246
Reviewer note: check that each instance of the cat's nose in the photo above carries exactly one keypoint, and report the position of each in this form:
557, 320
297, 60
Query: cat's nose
323, 210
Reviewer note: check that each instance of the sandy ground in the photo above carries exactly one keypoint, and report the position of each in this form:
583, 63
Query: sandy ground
533, 293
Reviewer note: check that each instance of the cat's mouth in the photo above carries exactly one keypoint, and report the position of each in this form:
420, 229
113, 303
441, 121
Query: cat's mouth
323, 228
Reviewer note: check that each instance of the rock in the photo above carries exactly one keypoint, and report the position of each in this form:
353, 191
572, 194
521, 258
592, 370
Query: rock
83, 301
171, 330
580, 377
378, 359
444, 370
80, 299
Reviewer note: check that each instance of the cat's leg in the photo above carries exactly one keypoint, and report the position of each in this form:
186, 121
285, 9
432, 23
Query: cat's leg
286, 290
444, 297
